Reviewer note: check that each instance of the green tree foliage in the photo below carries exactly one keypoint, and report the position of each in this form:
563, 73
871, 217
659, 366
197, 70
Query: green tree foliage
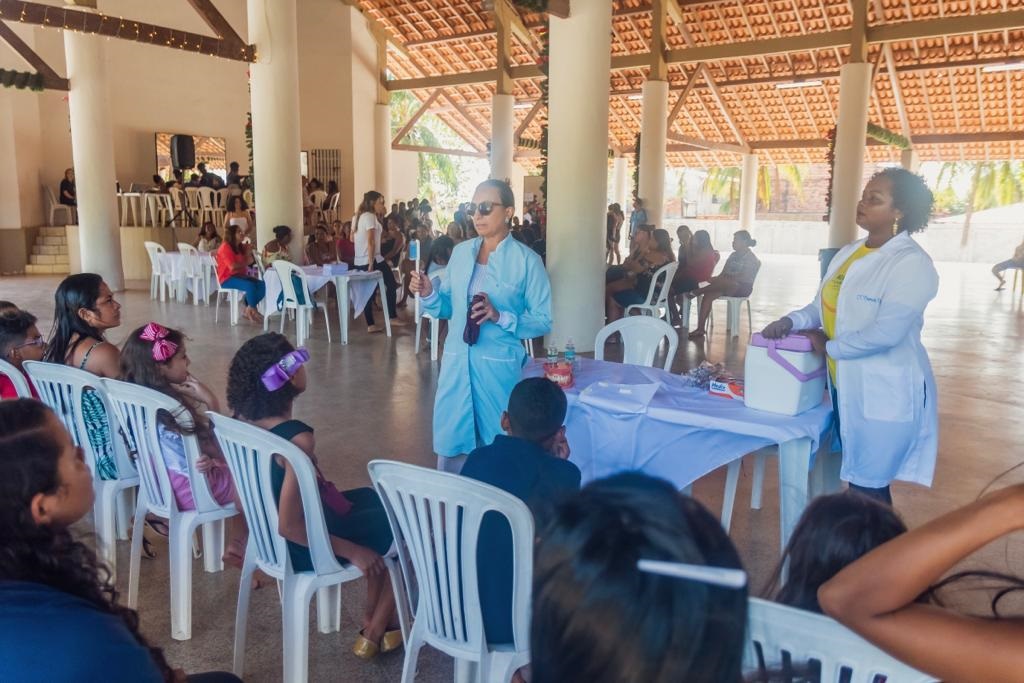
993, 183
437, 172
725, 182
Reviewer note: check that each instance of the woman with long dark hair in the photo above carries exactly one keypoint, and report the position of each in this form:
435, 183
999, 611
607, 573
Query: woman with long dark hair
233, 259
599, 617
237, 214
497, 294
59, 615
652, 252
367, 239
84, 309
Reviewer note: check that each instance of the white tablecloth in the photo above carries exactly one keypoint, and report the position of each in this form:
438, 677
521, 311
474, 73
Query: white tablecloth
174, 261
684, 434
360, 288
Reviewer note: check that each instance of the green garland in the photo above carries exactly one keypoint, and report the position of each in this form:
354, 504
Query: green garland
887, 137
9, 78
636, 167
248, 145
544, 62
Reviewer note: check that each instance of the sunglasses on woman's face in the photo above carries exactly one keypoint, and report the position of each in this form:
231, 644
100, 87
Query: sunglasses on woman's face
485, 208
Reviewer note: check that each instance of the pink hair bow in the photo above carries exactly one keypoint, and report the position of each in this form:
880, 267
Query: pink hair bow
163, 350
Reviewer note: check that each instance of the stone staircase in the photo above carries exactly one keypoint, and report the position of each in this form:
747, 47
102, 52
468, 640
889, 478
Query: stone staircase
50, 253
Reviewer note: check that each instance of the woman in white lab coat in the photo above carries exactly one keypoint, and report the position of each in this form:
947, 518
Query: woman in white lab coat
867, 320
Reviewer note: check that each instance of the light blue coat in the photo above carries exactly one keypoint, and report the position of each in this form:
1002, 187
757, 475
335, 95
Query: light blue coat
476, 381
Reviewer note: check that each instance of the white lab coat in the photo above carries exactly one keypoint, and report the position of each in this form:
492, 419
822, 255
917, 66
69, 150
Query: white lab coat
888, 413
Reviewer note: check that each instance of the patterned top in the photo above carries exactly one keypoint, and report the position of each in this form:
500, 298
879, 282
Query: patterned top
742, 266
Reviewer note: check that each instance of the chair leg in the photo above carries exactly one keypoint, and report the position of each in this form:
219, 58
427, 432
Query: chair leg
242, 610
412, 653
757, 487
180, 550
466, 671
104, 520
328, 609
123, 512
750, 318
136, 557
435, 332
419, 328
213, 546
295, 634
732, 478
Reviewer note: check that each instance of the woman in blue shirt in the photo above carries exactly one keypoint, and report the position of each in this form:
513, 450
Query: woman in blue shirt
499, 286
59, 616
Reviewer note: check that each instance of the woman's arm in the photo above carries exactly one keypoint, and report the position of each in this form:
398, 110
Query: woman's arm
875, 596
535, 318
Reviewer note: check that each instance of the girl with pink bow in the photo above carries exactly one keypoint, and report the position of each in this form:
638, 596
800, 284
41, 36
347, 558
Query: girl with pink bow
154, 356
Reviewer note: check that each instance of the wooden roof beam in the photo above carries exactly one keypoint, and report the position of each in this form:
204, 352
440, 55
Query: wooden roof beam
709, 144
439, 150
466, 116
51, 79
526, 120
126, 29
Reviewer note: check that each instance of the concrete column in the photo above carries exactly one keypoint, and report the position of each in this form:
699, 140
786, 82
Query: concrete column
503, 146
910, 160
273, 29
382, 150
854, 95
92, 146
578, 170
653, 137
748, 192
620, 182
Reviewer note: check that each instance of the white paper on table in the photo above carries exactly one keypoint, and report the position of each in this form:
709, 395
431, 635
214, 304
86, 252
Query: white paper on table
620, 398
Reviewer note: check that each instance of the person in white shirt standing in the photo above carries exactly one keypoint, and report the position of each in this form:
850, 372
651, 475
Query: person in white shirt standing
867, 321
368, 230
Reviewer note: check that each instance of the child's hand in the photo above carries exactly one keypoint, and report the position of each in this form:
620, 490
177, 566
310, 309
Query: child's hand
205, 463
369, 562
560, 446
197, 391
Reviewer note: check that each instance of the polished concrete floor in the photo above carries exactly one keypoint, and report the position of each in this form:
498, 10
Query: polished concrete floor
374, 399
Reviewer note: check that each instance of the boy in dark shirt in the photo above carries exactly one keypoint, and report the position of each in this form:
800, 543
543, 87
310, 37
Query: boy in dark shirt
532, 464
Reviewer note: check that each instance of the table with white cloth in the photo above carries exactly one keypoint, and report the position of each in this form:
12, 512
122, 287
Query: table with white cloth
356, 287
174, 262
628, 417
315, 280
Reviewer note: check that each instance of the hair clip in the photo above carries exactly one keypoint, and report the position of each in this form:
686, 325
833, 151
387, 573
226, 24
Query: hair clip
716, 576
281, 372
163, 350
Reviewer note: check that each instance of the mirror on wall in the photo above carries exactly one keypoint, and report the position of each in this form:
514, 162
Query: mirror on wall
208, 149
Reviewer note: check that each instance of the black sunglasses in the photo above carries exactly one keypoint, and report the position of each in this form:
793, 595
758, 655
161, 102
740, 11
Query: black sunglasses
485, 208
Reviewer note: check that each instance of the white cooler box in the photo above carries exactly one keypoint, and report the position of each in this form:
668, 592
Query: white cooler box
783, 375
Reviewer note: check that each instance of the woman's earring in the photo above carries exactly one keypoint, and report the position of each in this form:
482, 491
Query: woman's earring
895, 228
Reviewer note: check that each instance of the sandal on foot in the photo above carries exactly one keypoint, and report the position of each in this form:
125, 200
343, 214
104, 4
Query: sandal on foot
392, 640
158, 526
365, 648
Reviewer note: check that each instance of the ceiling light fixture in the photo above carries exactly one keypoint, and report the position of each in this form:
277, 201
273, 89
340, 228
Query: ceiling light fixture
1008, 66
522, 105
797, 84
636, 97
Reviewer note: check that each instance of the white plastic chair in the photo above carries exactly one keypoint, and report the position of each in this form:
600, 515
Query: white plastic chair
21, 386
641, 338
53, 207
656, 303
435, 330
779, 637
732, 312
303, 311
250, 452
60, 387
161, 279
207, 204
220, 205
317, 199
249, 198
136, 408
425, 508
192, 269
331, 213
234, 297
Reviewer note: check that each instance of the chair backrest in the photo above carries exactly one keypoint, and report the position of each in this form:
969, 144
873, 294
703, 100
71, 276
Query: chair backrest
641, 337
17, 379
206, 197
248, 197
192, 193
136, 409
657, 294
257, 258
51, 198
285, 270
318, 198
60, 387
333, 206
221, 198
779, 636
178, 198
154, 249
435, 517
250, 452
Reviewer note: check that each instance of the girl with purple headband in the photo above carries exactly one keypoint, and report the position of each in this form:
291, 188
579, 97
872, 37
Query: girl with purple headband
155, 356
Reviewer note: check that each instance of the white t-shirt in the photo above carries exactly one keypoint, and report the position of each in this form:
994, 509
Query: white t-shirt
367, 222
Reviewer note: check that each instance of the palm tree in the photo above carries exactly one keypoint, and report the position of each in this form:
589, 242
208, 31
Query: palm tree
433, 169
726, 181
993, 183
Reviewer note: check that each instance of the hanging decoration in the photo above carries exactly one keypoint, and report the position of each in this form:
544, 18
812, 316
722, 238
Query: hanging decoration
544, 62
9, 78
636, 167
875, 132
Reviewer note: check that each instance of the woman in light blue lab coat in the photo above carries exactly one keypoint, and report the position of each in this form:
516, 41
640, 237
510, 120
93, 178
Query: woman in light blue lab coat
514, 304
866, 320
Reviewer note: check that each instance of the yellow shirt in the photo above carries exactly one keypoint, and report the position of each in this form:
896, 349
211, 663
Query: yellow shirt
830, 298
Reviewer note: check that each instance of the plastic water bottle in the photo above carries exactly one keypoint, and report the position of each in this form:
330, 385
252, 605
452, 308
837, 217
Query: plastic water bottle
570, 353
552, 354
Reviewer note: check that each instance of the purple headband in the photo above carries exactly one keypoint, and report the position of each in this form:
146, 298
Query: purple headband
281, 372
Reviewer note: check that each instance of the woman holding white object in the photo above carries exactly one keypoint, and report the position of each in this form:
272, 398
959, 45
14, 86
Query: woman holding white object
498, 286
867, 320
